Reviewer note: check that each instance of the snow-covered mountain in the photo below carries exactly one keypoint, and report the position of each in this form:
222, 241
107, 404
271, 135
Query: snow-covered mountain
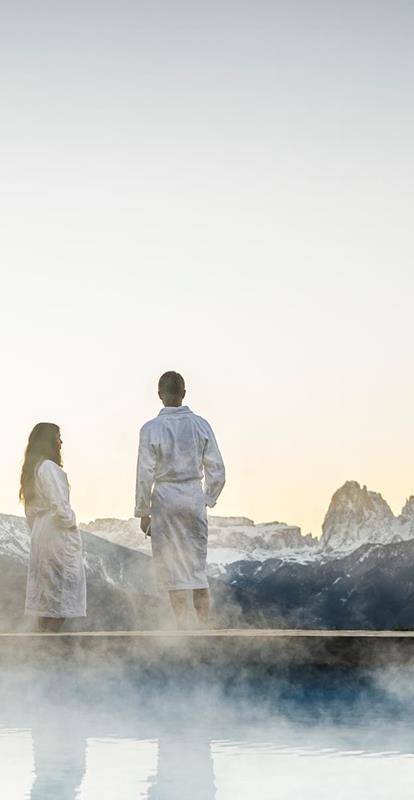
371, 587
406, 519
100, 561
234, 539
358, 516
230, 539
355, 516
14, 537
360, 574
126, 532
121, 588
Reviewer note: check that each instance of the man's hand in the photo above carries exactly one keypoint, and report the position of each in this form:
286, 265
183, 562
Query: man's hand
145, 523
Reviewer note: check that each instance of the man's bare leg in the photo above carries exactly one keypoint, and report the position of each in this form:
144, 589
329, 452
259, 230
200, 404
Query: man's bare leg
201, 602
50, 624
178, 600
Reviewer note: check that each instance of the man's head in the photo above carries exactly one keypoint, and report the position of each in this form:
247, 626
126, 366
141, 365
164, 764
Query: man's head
171, 389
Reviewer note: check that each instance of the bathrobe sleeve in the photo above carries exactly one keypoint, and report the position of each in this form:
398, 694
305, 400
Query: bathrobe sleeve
214, 471
54, 486
145, 473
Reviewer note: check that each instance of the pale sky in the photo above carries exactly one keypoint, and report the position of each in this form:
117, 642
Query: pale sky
225, 189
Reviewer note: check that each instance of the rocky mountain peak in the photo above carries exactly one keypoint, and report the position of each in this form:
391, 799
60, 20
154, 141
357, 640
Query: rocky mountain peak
407, 512
355, 516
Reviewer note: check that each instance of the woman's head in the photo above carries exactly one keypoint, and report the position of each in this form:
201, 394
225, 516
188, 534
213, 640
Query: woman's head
44, 443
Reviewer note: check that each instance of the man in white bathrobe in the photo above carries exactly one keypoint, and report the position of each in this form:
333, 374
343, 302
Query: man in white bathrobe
177, 450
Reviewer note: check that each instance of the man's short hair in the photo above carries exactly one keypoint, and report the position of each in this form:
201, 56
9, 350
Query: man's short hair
171, 384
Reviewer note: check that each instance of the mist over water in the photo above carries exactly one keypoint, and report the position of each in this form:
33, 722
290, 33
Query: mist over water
86, 733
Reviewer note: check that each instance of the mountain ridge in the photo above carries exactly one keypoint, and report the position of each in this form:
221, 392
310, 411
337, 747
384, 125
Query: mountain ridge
355, 516
269, 574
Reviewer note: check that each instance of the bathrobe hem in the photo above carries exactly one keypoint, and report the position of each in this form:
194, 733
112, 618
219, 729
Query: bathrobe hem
187, 587
64, 615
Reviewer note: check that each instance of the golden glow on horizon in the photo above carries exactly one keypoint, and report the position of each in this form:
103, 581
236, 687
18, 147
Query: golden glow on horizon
243, 218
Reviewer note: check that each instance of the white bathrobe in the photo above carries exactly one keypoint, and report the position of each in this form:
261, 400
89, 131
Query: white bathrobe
177, 450
56, 585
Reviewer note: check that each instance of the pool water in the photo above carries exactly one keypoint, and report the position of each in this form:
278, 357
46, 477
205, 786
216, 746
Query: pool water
315, 734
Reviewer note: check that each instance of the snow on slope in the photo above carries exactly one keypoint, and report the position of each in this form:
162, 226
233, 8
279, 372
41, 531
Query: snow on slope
14, 536
406, 519
105, 563
120, 531
355, 516
230, 539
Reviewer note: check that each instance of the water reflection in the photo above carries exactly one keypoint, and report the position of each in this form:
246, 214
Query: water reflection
69, 766
59, 759
114, 762
102, 739
16, 764
314, 773
185, 768
317, 763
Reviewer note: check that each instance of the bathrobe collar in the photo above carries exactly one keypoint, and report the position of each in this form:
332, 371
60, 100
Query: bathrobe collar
175, 410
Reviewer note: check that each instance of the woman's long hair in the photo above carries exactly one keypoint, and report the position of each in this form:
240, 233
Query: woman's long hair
44, 442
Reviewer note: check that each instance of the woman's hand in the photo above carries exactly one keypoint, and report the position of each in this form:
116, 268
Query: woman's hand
145, 523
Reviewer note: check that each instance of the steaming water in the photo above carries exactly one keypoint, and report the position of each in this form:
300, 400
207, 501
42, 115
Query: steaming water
320, 734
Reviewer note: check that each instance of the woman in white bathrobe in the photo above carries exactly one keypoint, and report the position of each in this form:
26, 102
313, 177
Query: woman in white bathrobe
56, 584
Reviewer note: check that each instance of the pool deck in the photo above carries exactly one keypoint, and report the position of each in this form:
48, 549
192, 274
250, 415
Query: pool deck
244, 648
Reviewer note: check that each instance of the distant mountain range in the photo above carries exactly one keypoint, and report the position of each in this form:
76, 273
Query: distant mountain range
360, 574
355, 516
121, 590
230, 539
370, 588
